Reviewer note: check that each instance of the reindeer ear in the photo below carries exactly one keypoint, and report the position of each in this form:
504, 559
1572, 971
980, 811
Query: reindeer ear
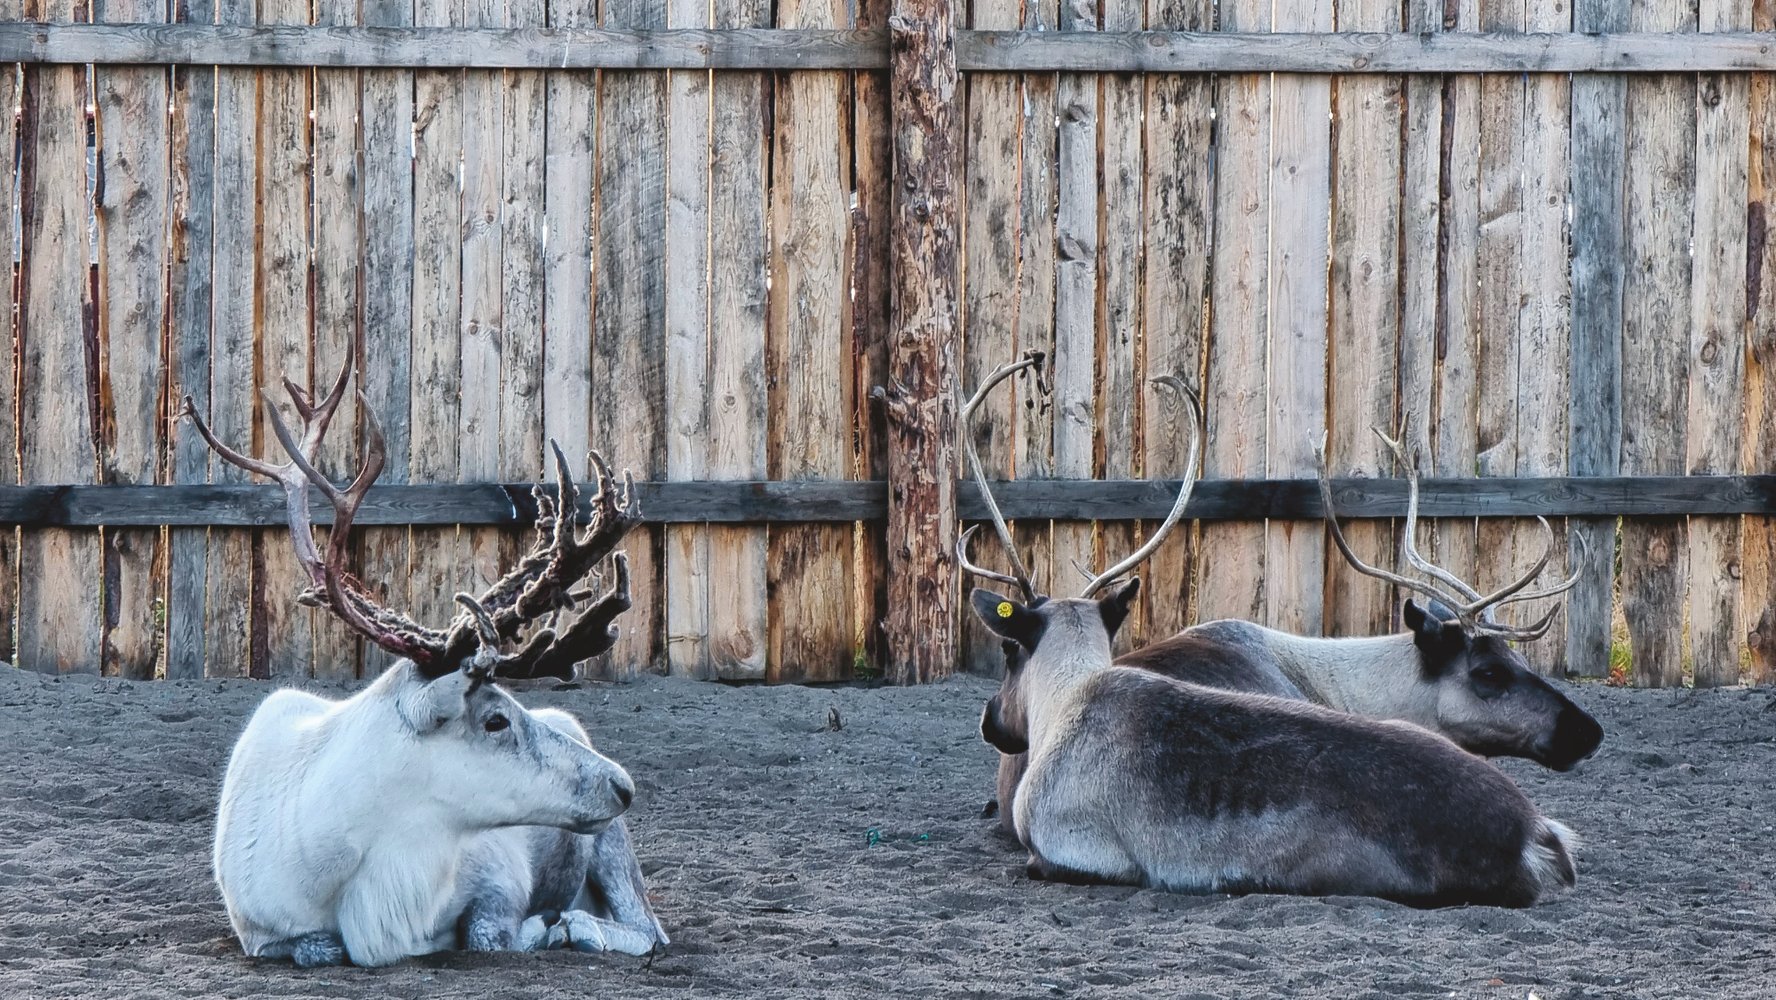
1008, 618
1115, 608
993, 731
1437, 640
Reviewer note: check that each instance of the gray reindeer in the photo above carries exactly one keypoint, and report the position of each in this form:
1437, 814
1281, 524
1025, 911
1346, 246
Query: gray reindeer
1138, 778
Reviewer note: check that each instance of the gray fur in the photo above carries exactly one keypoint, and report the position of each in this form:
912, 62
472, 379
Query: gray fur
308, 951
1142, 779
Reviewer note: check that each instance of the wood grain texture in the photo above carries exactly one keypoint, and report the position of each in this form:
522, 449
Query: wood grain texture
1038, 51
1594, 409
439, 561
571, 142
688, 325
1759, 538
1300, 206
1231, 582
920, 397
1073, 365
810, 569
1660, 171
386, 327
9, 386
1179, 198
59, 620
131, 215
739, 256
1365, 312
283, 630
629, 333
337, 233
872, 158
1717, 349
228, 576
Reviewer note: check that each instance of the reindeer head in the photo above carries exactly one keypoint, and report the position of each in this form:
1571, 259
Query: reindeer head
1048, 640
1488, 700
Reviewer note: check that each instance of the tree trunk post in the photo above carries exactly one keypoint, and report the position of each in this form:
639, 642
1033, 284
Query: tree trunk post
920, 399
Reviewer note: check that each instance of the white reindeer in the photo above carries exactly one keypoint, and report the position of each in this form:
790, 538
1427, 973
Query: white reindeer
431, 810
1135, 777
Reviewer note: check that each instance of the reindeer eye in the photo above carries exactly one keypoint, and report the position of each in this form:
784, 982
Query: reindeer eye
1494, 675
495, 723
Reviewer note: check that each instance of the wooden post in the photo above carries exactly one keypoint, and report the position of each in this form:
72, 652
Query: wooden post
920, 399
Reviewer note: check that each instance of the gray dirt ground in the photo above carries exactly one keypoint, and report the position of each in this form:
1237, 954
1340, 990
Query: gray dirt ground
790, 860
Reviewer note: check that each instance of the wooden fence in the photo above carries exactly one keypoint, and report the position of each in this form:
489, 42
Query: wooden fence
664, 231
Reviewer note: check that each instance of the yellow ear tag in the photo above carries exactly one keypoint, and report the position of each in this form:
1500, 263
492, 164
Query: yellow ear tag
1005, 609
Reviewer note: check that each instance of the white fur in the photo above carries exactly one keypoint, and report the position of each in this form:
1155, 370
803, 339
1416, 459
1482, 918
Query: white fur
352, 817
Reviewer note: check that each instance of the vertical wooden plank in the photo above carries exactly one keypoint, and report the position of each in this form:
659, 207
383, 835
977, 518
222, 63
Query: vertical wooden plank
1660, 168
1035, 328
59, 621
1503, 278
388, 271
525, 113
1759, 543
230, 572
629, 334
1421, 244
439, 558
872, 158
990, 293
1300, 207
1233, 564
132, 199
810, 566
739, 261
1543, 333
1074, 363
338, 256
1177, 202
1365, 311
1717, 348
1599, 149
283, 629
9, 581
1121, 390
688, 335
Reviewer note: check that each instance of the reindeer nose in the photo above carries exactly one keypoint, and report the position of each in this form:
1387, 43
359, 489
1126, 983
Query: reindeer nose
624, 789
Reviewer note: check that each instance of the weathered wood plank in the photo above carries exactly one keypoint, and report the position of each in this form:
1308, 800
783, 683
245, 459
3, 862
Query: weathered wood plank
810, 568
338, 260
1365, 311
976, 51
1073, 365
228, 577
567, 267
739, 251
688, 324
283, 631
9, 388
872, 158
131, 215
1594, 416
1660, 168
1178, 200
1422, 327
1120, 384
1759, 541
920, 398
59, 620
1231, 582
1717, 348
629, 333
803, 501
387, 326
439, 561
1300, 210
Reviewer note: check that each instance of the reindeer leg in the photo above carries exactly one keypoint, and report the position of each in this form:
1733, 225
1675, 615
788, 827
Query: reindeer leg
309, 950
615, 878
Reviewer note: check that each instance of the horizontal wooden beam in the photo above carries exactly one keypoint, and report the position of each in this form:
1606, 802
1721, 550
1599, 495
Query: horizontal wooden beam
442, 48
802, 502
976, 51
1355, 52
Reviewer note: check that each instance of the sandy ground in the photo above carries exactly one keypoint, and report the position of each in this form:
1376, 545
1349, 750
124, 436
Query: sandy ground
790, 859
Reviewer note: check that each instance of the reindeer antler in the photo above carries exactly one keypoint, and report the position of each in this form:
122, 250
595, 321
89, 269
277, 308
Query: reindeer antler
1473, 609
540, 584
1199, 431
1019, 575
